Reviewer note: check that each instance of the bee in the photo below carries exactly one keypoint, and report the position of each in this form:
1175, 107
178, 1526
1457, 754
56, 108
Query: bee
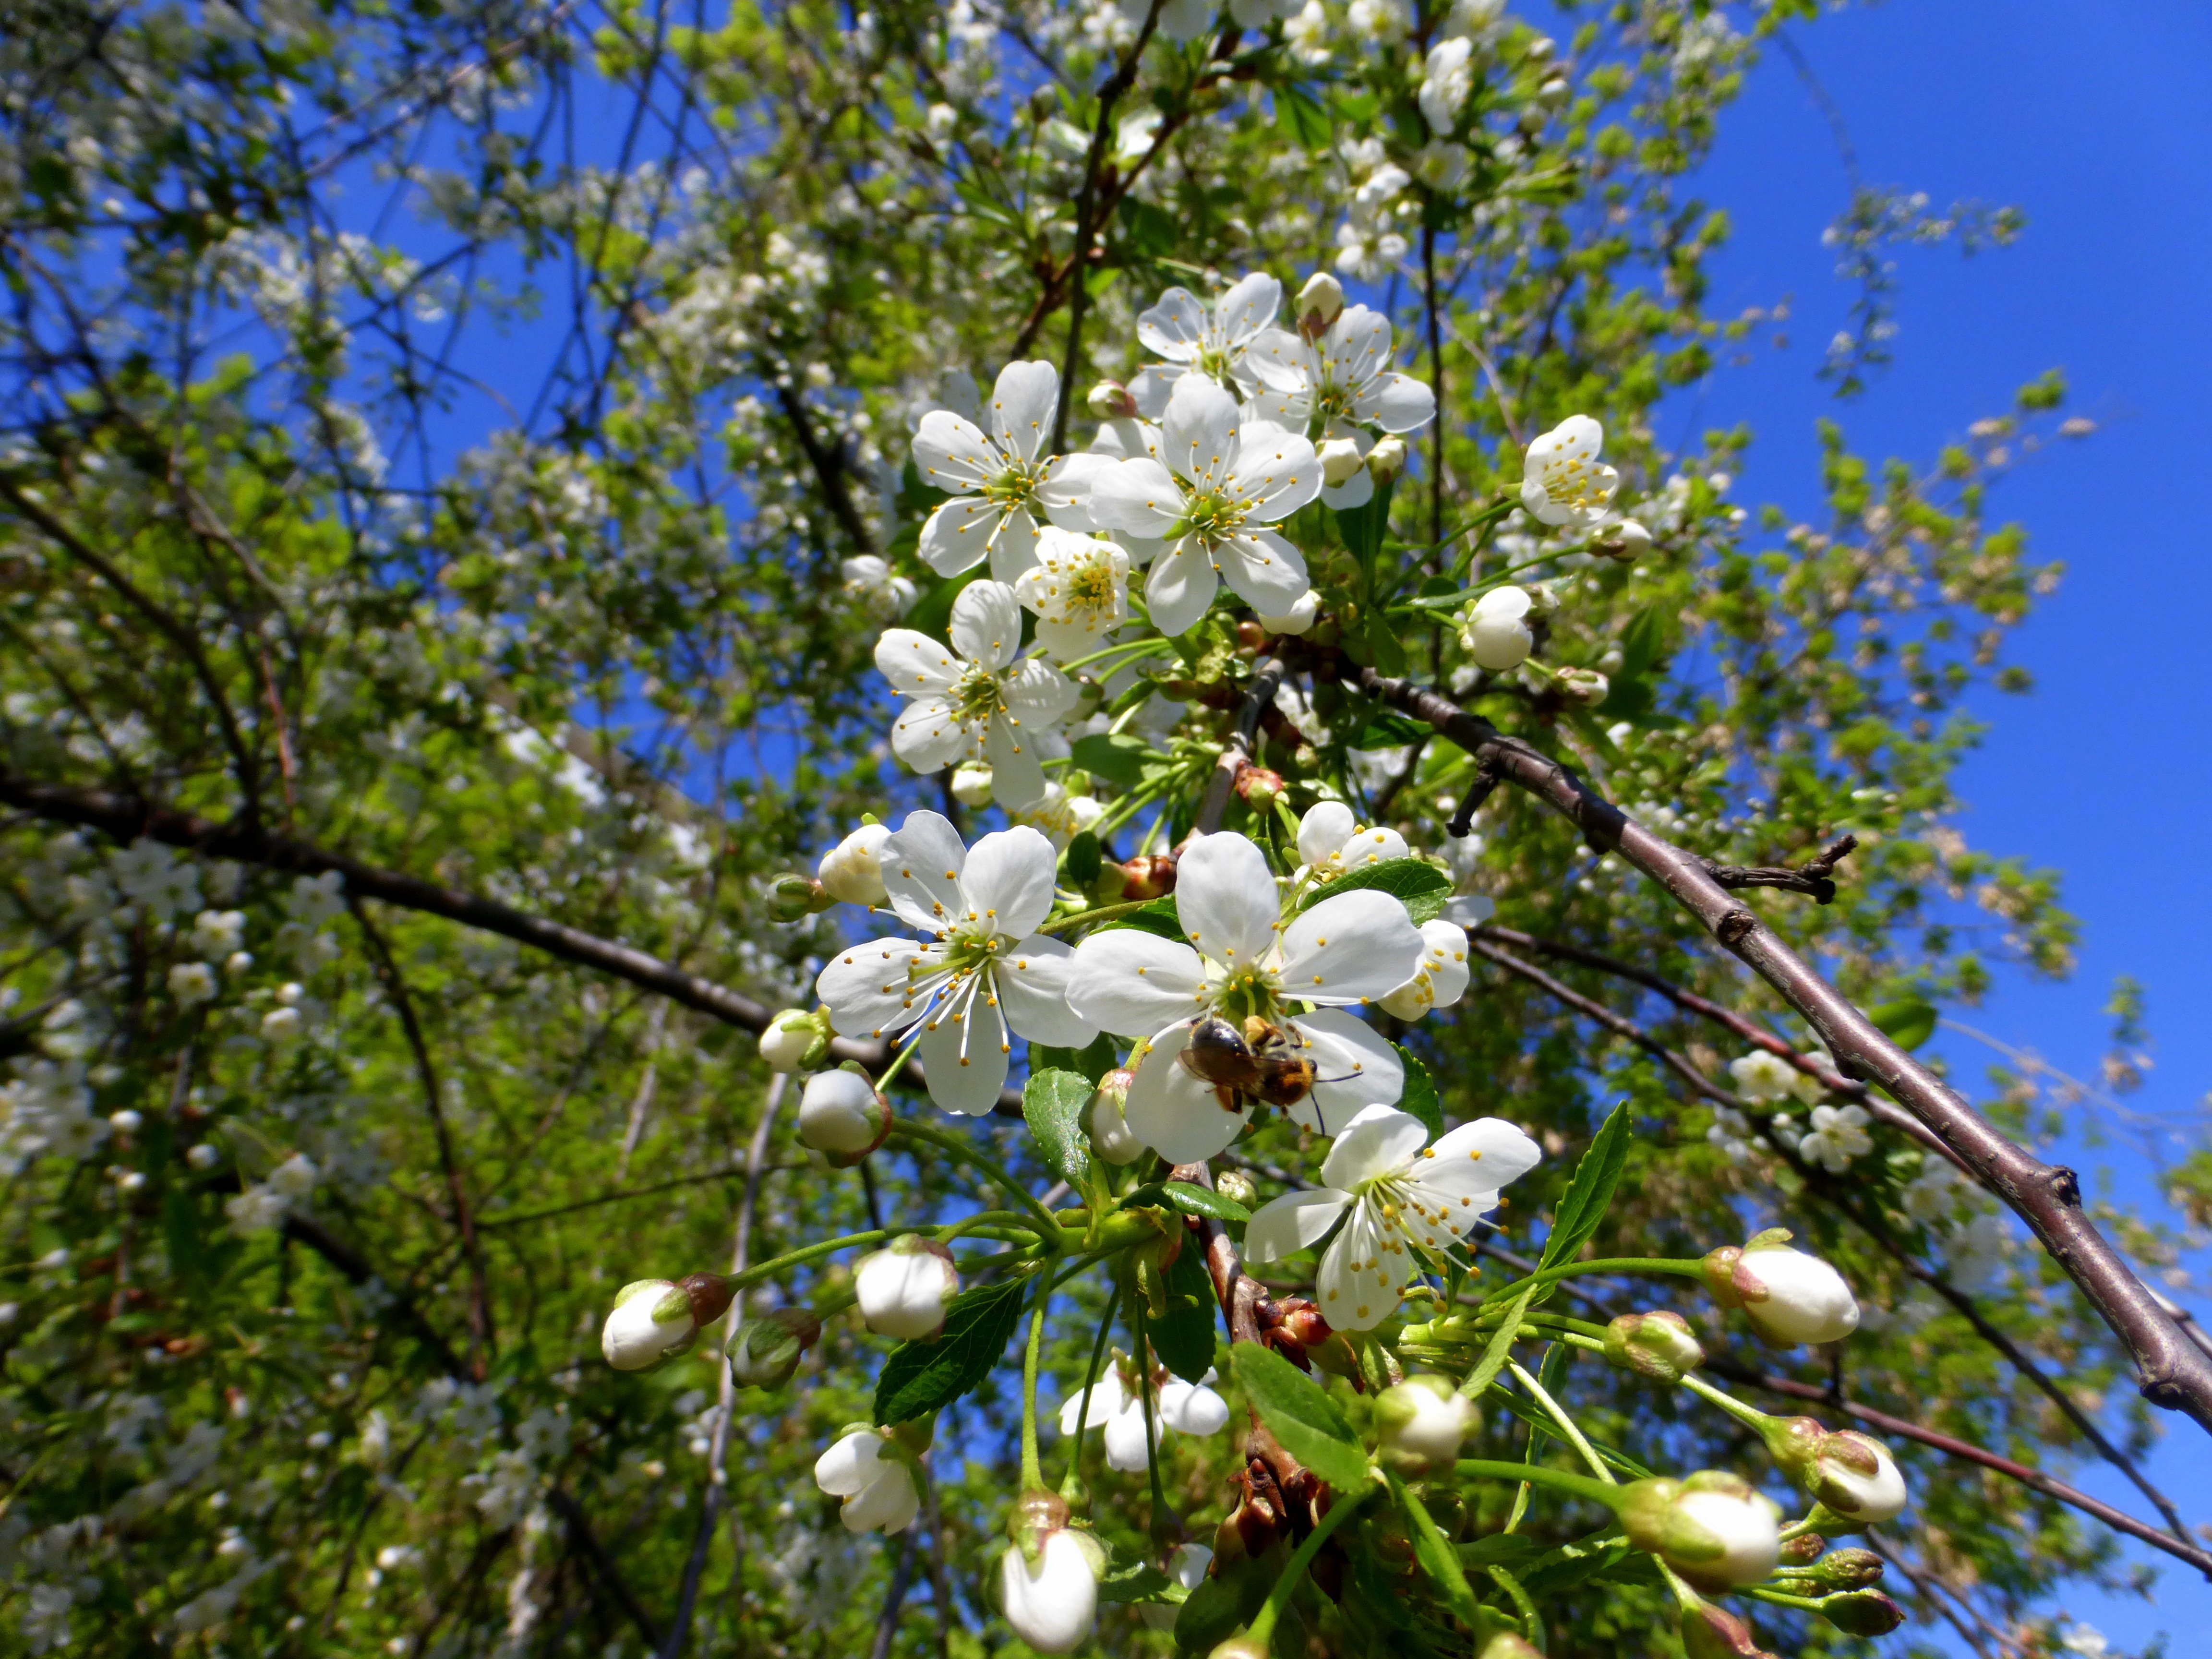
1261, 1061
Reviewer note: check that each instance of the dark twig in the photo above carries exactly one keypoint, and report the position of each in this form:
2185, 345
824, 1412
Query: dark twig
894, 1599
1486, 778
2171, 1370
1815, 877
1237, 753
587, 1543
830, 467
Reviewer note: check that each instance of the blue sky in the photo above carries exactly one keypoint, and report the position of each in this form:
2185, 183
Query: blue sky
2097, 121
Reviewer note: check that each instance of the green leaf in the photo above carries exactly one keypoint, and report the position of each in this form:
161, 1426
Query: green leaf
1503, 1549
1421, 888
1434, 1551
1115, 757
1386, 728
932, 612
919, 1377
1151, 229
1582, 1206
1500, 1349
1184, 1338
1648, 642
1185, 1196
1420, 1096
1213, 1611
1909, 1021
1363, 527
1084, 862
1053, 1102
1383, 646
1133, 1580
1300, 1415
1159, 917
1530, 1412
1302, 117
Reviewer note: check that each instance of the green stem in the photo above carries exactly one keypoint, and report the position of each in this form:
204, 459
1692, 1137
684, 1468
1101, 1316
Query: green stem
1032, 1470
1144, 1393
1131, 648
898, 1062
1452, 601
1535, 1475
806, 1254
1543, 1397
1532, 1622
1750, 1416
1072, 1484
991, 1167
1263, 1624
1613, 1264
1101, 914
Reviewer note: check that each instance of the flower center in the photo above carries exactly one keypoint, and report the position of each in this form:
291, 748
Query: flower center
1332, 403
1574, 483
1213, 363
977, 698
1248, 993
1214, 516
1016, 486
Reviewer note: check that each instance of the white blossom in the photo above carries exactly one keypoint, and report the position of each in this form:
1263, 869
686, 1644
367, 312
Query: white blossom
1080, 589
1495, 628
1117, 1401
1202, 339
1332, 841
1446, 79
651, 1322
1245, 961
1443, 977
877, 1486
980, 970
1344, 381
1051, 1602
1563, 482
1000, 483
192, 983
850, 871
256, 1210
1839, 1135
869, 581
904, 1289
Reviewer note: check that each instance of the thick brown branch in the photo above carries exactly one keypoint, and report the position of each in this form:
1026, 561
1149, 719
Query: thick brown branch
2171, 1370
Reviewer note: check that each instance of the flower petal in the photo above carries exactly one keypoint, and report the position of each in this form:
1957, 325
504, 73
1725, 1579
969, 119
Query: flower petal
1153, 385
1022, 405
915, 665
1106, 1398
1128, 980
1033, 982
1225, 898
1355, 1067
1125, 1439
1263, 571
1377, 845
1444, 959
1180, 587
1282, 362
1326, 825
1361, 1277
1294, 1222
1381, 1140
1356, 491
1036, 694
869, 988
1140, 496
1175, 327
1172, 1112
850, 1465
928, 737
956, 537
953, 454
1247, 308
1007, 880
1065, 490
1276, 473
987, 624
965, 1050
1357, 346
1396, 402
1192, 1408
1197, 434
1355, 947
1475, 1160
1014, 545
1017, 778
921, 862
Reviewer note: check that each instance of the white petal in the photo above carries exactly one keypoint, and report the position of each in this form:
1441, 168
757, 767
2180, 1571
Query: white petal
1140, 496
1125, 1439
1357, 490
987, 624
956, 537
1036, 694
1276, 473
952, 454
1128, 980
850, 1465
868, 987
915, 665
1355, 947
1192, 1408
927, 735
1444, 959
1356, 1069
1008, 880
1065, 492
1180, 587
1322, 832
1172, 1112
1357, 346
1197, 434
1396, 402
1475, 1160
966, 1055
1175, 327
1154, 386
1294, 1222
1361, 1279
1106, 1399
1282, 362
1022, 405
1263, 571
1033, 980
888, 1505
1380, 1140
921, 862
1225, 898
1247, 307
1017, 780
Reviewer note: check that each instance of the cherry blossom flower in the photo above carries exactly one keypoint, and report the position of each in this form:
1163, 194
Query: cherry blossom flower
1331, 840
1345, 381
1495, 628
974, 699
1244, 960
1051, 1602
1080, 589
1839, 1134
1563, 482
1446, 79
869, 581
1214, 488
1442, 979
1001, 484
1397, 1198
1187, 1566
877, 1486
1197, 338
980, 970
1117, 1401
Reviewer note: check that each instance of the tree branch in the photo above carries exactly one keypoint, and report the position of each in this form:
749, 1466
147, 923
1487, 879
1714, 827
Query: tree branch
1237, 753
587, 1543
1815, 877
2171, 1370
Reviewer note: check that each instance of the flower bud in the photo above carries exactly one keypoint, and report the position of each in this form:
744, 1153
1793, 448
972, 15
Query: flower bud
852, 871
1298, 619
1110, 400
765, 1353
1657, 1346
903, 1288
1320, 303
1422, 1422
1111, 1137
654, 1320
1237, 1647
865, 1466
1387, 459
1711, 1632
1585, 686
1053, 1601
1495, 630
1862, 1612
1713, 1528
971, 785
795, 1041
1260, 788
1626, 540
1149, 878
841, 1117
1839, 1570
1506, 1644
1854, 1477
1340, 460
1238, 1188
793, 897
1788, 1295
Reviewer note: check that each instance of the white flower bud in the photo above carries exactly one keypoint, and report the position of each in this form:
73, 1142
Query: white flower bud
1854, 1474
877, 1486
1298, 619
1658, 1345
765, 1353
651, 1322
1583, 685
841, 1114
191, 982
1387, 459
1111, 1137
794, 1041
1340, 460
971, 786
1627, 541
1788, 1295
1713, 1528
1320, 303
1110, 400
1052, 1603
1238, 1188
203, 1157
126, 1122
850, 871
1422, 1422
1495, 631
904, 1287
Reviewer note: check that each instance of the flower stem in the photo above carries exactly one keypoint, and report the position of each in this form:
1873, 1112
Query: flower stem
1535, 1475
898, 1062
1100, 914
1071, 1482
1032, 1470
1613, 1264
806, 1254
1263, 1623
1130, 647
990, 1166
1750, 1416
1543, 1397
1144, 1393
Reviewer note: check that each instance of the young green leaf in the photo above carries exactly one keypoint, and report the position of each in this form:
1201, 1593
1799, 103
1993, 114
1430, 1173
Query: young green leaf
1434, 1551
1418, 1098
919, 1377
1909, 1021
1420, 887
1157, 918
1184, 1338
1500, 1348
1053, 1102
1583, 1206
1299, 1415
1083, 859
1115, 757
